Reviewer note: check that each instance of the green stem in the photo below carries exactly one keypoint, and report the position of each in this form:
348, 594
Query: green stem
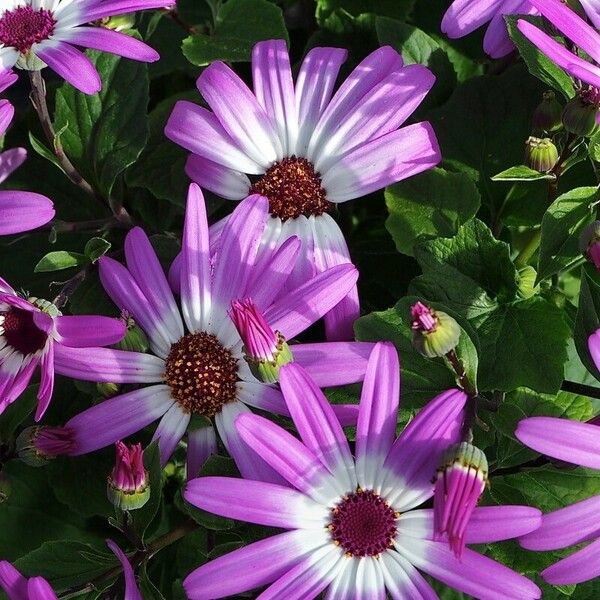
529, 249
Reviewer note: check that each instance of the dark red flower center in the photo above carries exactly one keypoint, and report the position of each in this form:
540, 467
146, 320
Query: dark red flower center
202, 374
363, 524
293, 189
24, 26
21, 333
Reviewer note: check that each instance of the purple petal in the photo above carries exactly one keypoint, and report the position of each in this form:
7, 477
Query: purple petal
274, 90
368, 74
256, 502
114, 42
223, 181
202, 443
10, 161
571, 441
7, 78
95, 10
314, 87
592, 10
330, 250
198, 130
346, 414
117, 418
296, 311
249, 567
472, 574
415, 455
12, 582
262, 396
496, 42
39, 589
465, 16
23, 211
594, 347
170, 430
7, 112
566, 527
581, 566
240, 114
46, 382
83, 331
385, 160
71, 64
571, 24
132, 591
148, 273
317, 424
378, 413
289, 457
333, 363
250, 464
108, 366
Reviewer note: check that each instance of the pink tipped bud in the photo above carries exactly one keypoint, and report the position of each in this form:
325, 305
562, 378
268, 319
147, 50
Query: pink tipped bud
434, 332
266, 350
128, 486
460, 481
39, 444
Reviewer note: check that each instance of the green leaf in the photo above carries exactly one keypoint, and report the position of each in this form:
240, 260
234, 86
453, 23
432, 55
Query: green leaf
562, 225
60, 260
527, 403
416, 47
521, 173
105, 133
433, 204
43, 151
66, 563
240, 24
538, 63
588, 316
96, 248
397, 9
523, 345
472, 259
16, 412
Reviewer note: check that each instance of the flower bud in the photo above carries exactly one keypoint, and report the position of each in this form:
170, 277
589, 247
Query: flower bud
266, 351
526, 282
5, 487
135, 339
461, 479
434, 332
589, 243
580, 117
39, 444
548, 114
118, 22
108, 390
128, 486
540, 154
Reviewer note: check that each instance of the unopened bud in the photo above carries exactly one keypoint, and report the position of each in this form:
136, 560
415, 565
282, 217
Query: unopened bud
548, 114
589, 243
39, 444
135, 339
435, 333
526, 278
461, 479
580, 116
265, 350
540, 154
118, 22
108, 390
5, 487
128, 486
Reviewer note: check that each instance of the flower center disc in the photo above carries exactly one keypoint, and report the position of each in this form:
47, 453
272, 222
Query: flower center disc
363, 524
24, 26
293, 189
202, 374
21, 333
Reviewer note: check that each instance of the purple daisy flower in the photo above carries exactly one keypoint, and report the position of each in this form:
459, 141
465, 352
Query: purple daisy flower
350, 521
306, 148
32, 331
578, 31
19, 211
39, 33
465, 16
577, 443
197, 374
19, 587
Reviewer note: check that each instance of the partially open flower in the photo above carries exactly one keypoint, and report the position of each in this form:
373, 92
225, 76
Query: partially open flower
461, 479
39, 444
128, 486
265, 350
434, 332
